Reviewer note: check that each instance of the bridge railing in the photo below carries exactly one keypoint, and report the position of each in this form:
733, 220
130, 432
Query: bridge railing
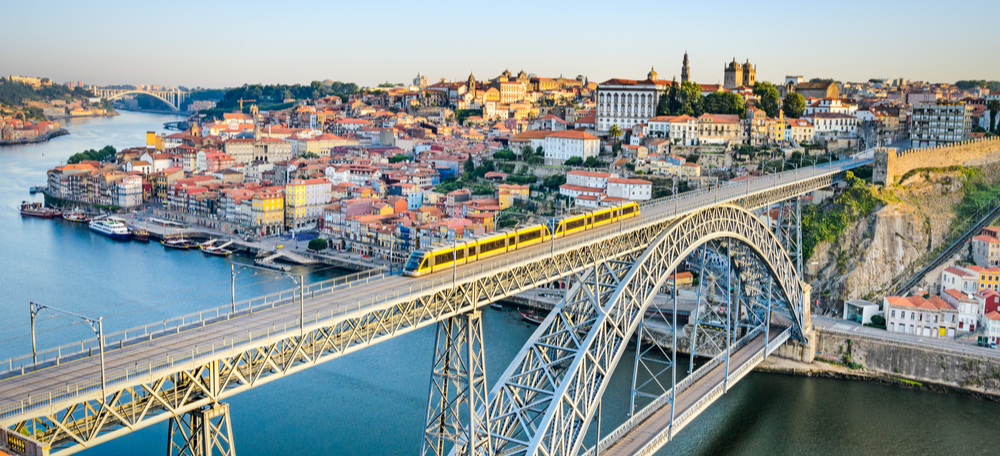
158, 329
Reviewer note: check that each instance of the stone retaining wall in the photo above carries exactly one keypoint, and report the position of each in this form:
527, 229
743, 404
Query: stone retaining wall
890, 164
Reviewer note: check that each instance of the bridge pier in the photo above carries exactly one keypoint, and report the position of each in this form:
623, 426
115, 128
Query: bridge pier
457, 388
802, 349
202, 432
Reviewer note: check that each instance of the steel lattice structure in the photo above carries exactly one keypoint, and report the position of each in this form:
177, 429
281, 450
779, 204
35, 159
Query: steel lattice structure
616, 271
547, 398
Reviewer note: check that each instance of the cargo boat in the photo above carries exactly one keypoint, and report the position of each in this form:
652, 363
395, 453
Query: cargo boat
110, 227
38, 210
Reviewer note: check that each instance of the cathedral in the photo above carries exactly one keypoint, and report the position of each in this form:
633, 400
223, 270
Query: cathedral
740, 75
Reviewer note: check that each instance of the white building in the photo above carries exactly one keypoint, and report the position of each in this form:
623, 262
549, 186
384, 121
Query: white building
967, 306
630, 189
130, 192
835, 124
563, 145
627, 102
959, 278
940, 123
588, 178
682, 130
918, 316
992, 327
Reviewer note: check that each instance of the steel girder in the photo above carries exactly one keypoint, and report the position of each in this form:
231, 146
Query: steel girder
458, 387
201, 432
547, 398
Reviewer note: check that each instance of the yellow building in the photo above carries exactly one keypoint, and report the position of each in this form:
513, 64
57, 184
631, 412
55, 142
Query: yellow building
507, 193
989, 278
268, 212
305, 200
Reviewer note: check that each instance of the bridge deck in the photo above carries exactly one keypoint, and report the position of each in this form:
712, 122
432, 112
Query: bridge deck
53, 379
647, 431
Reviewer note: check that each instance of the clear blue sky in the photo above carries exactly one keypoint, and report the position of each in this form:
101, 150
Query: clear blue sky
215, 44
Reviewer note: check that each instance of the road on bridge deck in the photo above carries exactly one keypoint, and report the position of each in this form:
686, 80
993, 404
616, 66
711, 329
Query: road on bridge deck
647, 430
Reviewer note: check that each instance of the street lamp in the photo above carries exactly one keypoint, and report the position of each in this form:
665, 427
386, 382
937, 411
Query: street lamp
96, 325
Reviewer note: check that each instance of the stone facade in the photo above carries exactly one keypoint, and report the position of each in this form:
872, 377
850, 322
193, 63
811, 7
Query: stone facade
890, 164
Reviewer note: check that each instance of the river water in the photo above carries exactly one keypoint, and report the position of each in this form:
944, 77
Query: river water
373, 401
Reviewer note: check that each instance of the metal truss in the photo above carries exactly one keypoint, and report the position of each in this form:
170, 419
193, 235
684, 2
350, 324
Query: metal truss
458, 388
201, 432
788, 228
82, 416
548, 396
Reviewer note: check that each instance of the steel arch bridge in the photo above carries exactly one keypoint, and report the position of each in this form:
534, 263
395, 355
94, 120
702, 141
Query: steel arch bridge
173, 98
546, 397
543, 403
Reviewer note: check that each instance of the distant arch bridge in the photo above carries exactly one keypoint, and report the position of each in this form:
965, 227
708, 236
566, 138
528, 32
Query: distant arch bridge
172, 97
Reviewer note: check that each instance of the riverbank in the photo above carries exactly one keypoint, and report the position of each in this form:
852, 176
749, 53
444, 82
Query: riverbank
910, 364
39, 139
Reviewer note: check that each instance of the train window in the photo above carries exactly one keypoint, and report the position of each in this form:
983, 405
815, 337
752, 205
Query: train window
492, 245
574, 224
590, 220
472, 251
628, 209
442, 258
461, 253
529, 236
602, 217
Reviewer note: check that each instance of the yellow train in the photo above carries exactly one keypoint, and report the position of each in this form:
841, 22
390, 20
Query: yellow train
423, 262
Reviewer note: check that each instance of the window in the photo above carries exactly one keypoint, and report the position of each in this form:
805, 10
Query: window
893, 314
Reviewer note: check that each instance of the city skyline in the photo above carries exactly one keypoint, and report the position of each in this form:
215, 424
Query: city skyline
404, 41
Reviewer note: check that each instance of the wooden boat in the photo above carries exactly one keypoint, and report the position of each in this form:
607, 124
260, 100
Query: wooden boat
139, 234
530, 317
38, 210
76, 217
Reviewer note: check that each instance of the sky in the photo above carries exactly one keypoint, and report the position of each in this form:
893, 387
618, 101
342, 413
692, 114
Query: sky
225, 44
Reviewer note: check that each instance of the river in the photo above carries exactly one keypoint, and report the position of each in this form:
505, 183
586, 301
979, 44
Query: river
373, 401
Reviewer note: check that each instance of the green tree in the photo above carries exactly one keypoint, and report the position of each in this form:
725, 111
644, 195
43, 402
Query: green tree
107, 153
593, 162
469, 166
724, 103
526, 152
690, 100
535, 160
673, 99
767, 98
794, 105
663, 105
318, 244
398, 158
573, 161
614, 132
504, 155
539, 151
554, 181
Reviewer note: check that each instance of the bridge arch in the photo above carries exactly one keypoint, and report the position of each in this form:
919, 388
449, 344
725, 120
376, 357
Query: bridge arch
114, 95
549, 394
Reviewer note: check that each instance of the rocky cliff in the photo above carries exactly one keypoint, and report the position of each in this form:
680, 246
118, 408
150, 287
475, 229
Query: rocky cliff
917, 218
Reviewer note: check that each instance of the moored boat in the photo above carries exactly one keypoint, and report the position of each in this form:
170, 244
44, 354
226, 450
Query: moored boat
530, 317
180, 244
38, 210
139, 234
216, 251
75, 217
110, 227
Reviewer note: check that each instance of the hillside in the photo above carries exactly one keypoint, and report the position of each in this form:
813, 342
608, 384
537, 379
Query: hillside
911, 222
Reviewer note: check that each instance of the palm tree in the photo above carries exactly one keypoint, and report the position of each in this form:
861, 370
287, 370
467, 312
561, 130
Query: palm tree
614, 132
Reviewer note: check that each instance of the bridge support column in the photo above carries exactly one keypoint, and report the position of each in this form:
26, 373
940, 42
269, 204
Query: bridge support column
203, 432
458, 388
804, 349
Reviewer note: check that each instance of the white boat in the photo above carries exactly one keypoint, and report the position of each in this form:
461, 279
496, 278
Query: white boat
111, 227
